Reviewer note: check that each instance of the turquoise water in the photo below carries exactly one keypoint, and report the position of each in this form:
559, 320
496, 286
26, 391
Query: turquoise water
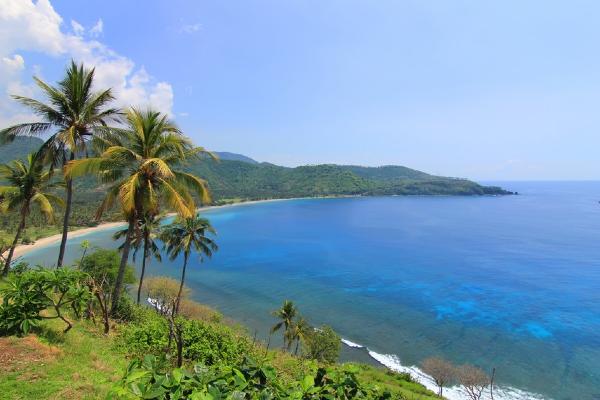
507, 282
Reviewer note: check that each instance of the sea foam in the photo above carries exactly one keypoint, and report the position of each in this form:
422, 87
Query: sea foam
392, 362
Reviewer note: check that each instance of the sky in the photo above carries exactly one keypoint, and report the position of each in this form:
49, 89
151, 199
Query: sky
487, 90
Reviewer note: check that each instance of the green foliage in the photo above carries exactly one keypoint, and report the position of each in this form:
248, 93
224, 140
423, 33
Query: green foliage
203, 342
212, 343
147, 379
103, 265
147, 336
33, 291
322, 344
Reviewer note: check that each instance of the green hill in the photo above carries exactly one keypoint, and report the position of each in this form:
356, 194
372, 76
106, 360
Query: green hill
236, 176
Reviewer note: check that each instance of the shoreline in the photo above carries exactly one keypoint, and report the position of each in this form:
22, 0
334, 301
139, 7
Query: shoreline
23, 249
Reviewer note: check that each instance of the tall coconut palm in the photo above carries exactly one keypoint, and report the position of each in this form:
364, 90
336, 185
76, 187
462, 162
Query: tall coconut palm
72, 114
286, 315
28, 184
185, 235
141, 160
300, 330
146, 239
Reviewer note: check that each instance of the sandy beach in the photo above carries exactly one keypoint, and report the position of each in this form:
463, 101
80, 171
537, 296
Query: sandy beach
25, 248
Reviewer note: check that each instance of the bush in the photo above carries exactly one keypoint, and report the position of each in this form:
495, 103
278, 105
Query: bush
248, 380
322, 344
192, 310
147, 336
163, 291
202, 342
19, 268
212, 344
33, 291
103, 264
128, 311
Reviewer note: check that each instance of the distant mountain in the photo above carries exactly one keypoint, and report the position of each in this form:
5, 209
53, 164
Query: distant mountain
225, 155
19, 148
239, 176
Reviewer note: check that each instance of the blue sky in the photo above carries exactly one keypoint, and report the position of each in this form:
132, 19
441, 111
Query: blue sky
479, 89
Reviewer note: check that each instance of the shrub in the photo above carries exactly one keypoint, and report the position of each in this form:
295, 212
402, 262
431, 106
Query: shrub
442, 372
149, 336
249, 380
163, 291
19, 268
212, 344
473, 380
33, 291
192, 310
322, 344
103, 264
203, 342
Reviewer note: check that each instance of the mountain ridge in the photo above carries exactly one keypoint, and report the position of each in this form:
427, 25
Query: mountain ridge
239, 176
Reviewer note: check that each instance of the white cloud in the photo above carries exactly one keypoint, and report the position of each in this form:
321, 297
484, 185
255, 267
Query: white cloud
97, 29
78, 29
26, 26
13, 64
190, 28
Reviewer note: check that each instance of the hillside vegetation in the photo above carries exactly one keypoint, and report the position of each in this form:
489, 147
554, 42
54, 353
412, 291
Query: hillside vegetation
238, 176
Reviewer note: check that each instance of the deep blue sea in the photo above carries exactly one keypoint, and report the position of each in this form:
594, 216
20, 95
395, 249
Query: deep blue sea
511, 282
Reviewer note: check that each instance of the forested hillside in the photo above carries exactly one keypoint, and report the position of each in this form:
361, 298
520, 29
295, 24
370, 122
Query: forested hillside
239, 177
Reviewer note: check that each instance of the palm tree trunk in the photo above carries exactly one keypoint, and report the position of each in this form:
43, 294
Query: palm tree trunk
116, 296
67, 216
185, 260
139, 293
297, 344
14, 244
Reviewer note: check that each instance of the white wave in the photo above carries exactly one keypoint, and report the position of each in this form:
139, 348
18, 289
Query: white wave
350, 343
392, 362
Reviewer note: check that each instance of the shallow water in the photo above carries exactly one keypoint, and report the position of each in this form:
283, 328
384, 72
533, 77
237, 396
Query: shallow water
507, 282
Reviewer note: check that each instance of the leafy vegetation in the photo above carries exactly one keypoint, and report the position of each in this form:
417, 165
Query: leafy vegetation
29, 183
32, 292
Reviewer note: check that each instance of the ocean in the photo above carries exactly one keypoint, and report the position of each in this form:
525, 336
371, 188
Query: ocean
507, 282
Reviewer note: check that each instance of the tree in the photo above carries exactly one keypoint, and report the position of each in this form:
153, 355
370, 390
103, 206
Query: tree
299, 332
140, 161
185, 235
28, 184
473, 380
73, 112
286, 315
102, 267
323, 344
85, 245
442, 372
148, 228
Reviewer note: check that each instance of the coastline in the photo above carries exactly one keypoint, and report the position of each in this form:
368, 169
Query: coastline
23, 249
390, 361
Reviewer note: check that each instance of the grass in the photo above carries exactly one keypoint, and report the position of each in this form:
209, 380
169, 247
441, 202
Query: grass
82, 364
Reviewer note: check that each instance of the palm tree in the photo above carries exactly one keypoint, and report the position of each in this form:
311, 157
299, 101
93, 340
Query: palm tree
299, 332
73, 112
185, 235
148, 229
140, 161
28, 184
286, 314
